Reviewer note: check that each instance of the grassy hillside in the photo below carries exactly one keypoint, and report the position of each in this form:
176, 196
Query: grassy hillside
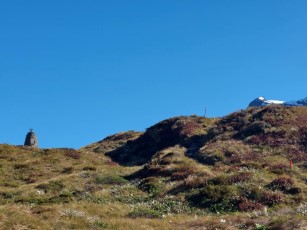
182, 173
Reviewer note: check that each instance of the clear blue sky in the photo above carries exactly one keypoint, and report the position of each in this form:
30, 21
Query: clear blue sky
76, 71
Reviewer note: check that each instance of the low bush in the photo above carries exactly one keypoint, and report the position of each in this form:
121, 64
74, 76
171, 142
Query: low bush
193, 181
183, 173
240, 177
210, 158
263, 196
52, 186
271, 198
282, 184
246, 205
254, 193
30, 179
73, 154
100, 224
40, 209
278, 168
89, 168
21, 166
151, 185
217, 198
111, 180
220, 180
255, 128
6, 195
44, 200
67, 170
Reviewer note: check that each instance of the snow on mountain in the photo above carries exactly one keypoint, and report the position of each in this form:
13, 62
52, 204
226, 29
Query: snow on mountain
261, 101
302, 102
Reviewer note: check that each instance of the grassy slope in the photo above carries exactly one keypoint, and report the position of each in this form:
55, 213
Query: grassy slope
183, 173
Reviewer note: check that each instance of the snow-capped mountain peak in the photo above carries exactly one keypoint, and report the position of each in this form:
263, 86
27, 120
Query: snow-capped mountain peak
261, 101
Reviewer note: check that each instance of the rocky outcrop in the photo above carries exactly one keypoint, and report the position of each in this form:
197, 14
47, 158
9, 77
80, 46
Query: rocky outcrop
257, 102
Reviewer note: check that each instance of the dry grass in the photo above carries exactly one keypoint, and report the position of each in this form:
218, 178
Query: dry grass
243, 157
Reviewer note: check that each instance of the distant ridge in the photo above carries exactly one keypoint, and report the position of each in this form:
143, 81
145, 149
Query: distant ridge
261, 101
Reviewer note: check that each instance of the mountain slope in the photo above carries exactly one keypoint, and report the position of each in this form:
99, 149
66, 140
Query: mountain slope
240, 162
182, 173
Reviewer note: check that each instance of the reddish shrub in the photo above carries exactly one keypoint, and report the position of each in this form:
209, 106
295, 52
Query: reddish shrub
258, 139
245, 205
73, 154
189, 128
249, 156
235, 159
302, 125
241, 177
182, 173
297, 156
271, 198
282, 183
235, 120
271, 139
110, 162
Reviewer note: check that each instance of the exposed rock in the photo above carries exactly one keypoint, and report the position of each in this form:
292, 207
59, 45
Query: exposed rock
257, 102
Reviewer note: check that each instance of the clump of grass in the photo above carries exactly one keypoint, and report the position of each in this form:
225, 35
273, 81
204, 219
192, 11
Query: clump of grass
67, 170
110, 179
151, 185
52, 186
40, 200
100, 224
217, 198
278, 168
194, 181
20, 166
183, 172
255, 128
226, 151
89, 168
160, 207
40, 209
145, 212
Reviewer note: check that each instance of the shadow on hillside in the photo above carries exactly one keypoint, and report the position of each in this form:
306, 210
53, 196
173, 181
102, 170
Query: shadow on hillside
141, 150
181, 131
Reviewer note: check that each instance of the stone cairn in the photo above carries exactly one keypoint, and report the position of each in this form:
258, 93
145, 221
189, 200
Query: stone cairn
31, 139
